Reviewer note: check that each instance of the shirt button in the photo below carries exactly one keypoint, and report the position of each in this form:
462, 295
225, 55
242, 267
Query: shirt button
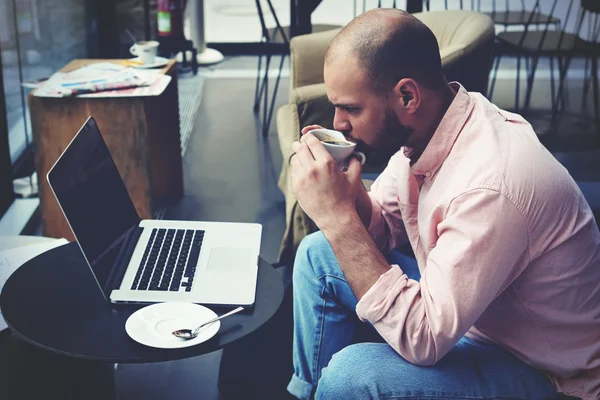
428, 174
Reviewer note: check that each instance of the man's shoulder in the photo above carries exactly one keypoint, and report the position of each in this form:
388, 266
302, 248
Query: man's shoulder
482, 103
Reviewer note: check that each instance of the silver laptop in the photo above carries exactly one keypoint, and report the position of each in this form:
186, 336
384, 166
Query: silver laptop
137, 260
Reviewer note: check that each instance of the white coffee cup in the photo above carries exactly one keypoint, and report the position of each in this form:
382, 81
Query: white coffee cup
146, 51
341, 150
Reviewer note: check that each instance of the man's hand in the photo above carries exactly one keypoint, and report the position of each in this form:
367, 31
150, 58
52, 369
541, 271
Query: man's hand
363, 203
323, 191
309, 128
340, 206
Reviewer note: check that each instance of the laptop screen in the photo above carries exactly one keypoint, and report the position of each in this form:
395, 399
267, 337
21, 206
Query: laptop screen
93, 198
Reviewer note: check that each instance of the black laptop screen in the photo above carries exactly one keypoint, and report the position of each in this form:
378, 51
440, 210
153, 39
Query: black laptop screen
94, 199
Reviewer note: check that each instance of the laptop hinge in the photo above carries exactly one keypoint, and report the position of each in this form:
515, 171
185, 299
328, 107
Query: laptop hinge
122, 261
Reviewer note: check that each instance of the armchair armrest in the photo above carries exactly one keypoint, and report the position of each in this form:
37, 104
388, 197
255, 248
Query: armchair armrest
309, 106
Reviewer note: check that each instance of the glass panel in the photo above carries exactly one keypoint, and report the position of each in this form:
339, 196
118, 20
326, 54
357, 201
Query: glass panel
37, 38
6, 192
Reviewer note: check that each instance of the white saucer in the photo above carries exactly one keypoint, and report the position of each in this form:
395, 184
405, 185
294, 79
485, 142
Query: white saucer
158, 62
152, 325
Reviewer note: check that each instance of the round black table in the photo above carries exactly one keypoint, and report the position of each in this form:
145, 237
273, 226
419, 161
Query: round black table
52, 302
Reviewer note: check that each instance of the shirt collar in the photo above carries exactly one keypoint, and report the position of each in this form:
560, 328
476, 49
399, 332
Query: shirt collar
446, 133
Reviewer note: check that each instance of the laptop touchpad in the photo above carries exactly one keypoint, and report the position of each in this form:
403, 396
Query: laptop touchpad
229, 258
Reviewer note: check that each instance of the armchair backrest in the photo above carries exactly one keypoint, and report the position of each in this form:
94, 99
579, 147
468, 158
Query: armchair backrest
307, 57
465, 38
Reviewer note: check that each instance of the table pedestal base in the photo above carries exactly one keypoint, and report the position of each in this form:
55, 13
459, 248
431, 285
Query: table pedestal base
27, 372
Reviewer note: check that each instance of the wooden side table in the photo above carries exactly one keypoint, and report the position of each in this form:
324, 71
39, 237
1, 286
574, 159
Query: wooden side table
142, 134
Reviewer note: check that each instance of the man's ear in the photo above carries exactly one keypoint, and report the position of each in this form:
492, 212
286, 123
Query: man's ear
408, 94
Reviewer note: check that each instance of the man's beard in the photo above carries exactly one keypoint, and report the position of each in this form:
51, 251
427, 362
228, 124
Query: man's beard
390, 138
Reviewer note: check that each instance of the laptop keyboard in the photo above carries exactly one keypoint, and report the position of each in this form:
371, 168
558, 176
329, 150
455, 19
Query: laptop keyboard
169, 261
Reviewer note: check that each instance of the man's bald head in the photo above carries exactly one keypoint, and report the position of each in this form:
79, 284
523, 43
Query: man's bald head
389, 45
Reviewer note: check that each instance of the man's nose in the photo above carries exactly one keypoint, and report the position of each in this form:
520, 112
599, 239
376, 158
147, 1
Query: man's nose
340, 123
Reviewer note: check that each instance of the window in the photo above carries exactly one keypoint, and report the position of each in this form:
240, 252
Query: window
37, 37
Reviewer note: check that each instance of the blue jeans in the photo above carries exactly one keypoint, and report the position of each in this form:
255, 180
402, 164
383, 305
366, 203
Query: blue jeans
329, 364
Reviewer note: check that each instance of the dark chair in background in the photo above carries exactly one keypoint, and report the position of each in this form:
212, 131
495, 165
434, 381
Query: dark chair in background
593, 35
530, 43
277, 40
518, 16
508, 14
513, 17
585, 46
562, 44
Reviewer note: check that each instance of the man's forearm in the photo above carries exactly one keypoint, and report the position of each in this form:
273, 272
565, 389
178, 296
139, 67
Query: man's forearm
364, 207
360, 260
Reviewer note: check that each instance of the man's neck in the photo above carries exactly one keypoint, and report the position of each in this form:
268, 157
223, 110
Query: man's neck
438, 109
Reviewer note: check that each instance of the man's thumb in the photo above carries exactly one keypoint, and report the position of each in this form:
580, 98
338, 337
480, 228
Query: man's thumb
354, 169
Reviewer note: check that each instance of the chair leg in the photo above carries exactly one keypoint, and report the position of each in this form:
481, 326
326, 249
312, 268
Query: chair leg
263, 85
266, 94
566, 97
530, 80
494, 75
257, 92
563, 74
595, 92
518, 89
560, 100
270, 116
563, 68
552, 89
586, 80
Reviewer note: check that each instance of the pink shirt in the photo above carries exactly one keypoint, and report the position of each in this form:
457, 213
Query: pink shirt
506, 244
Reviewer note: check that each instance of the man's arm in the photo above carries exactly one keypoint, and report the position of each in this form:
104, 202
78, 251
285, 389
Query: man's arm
364, 206
357, 254
481, 249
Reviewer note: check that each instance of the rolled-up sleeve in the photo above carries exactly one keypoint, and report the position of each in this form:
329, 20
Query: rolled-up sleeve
481, 248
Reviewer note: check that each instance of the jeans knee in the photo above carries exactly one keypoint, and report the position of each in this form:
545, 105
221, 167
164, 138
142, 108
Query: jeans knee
345, 377
315, 242
312, 248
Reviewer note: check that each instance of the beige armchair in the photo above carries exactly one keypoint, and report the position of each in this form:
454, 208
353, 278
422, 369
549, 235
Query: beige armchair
466, 42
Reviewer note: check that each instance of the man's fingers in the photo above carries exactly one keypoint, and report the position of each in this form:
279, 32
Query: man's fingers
354, 169
294, 171
293, 153
303, 153
317, 149
305, 130
295, 146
